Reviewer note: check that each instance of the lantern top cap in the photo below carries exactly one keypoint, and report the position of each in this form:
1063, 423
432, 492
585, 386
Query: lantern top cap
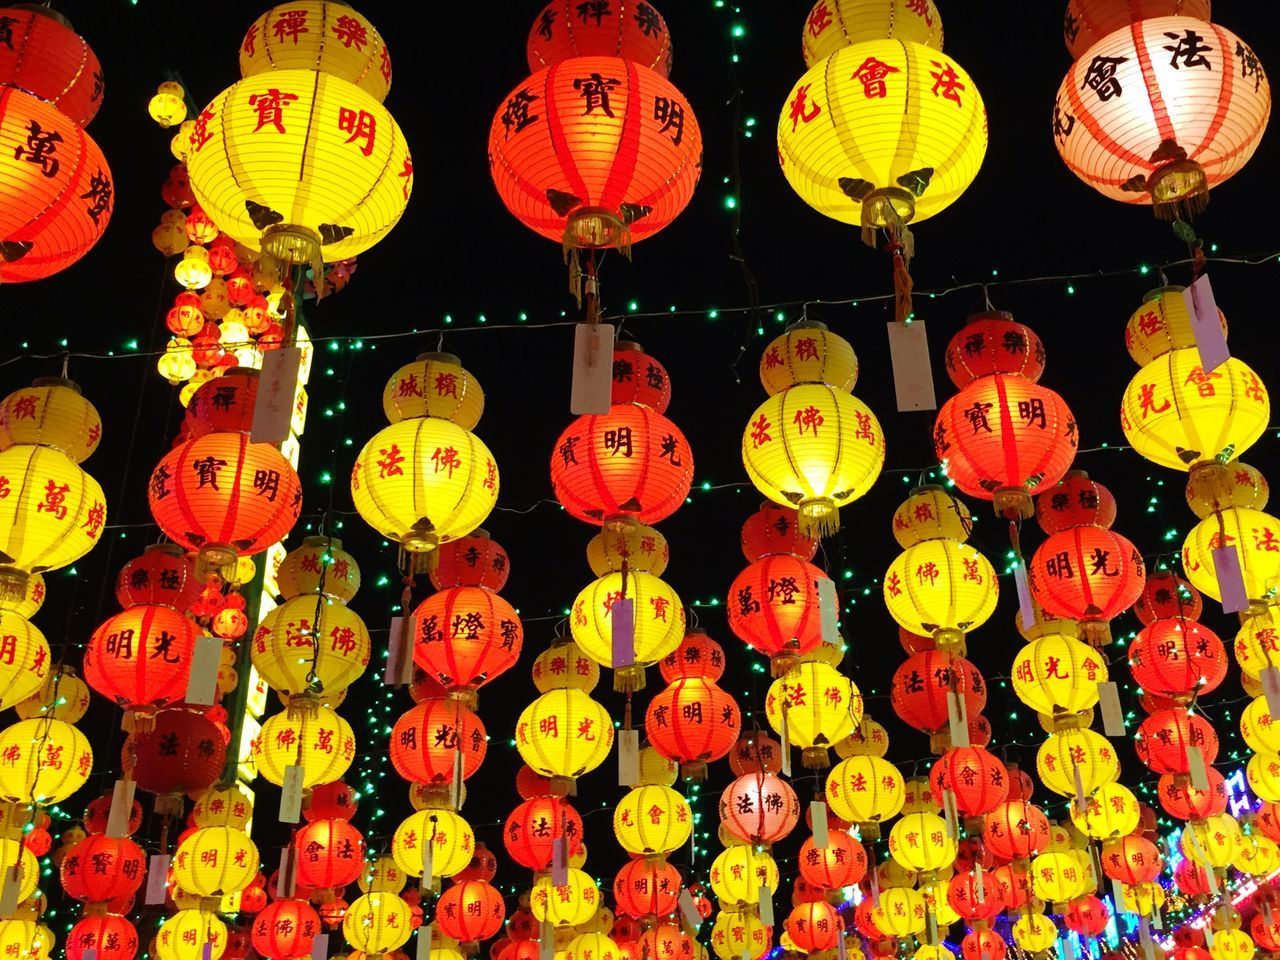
804, 323
628, 345
172, 549
44, 10
320, 540
440, 357
991, 314
56, 382
1158, 292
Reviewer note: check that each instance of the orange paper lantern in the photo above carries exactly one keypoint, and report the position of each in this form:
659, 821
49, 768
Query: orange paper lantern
567, 28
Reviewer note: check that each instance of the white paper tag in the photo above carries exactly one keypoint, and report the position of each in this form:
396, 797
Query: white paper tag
398, 670
979, 886
1144, 936
287, 874
559, 862
428, 861
785, 745
623, 631
959, 723
1208, 935
842, 952
1206, 325
291, 794
9, 890
157, 879
1112, 715
592, 388
766, 906
912, 372
1071, 945
202, 682
1157, 920
1270, 678
320, 946
950, 814
1082, 802
818, 814
547, 942
828, 610
1199, 775
1026, 607
277, 389
690, 910
1226, 564
455, 787
932, 928
1117, 896
121, 809
89, 953
628, 758
424, 943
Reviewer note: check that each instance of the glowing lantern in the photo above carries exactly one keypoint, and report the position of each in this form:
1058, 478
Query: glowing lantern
318, 566
901, 912
1034, 932
187, 934
1058, 675
1131, 860
868, 738
1177, 658
26, 669
62, 696
181, 752
650, 888
980, 944
1164, 740
921, 842
1056, 876
692, 721
51, 413
639, 378
626, 542
922, 684
841, 863
657, 628
563, 664
109, 936
377, 923
563, 31
568, 904
974, 895
1161, 324
327, 37
1182, 800
98, 869
214, 861
756, 752
140, 658
285, 928
1216, 486
575, 159
812, 706
229, 806
564, 734
322, 743
1263, 774
47, 58
466, 636
1088, 21
163, 575
1256, 538
865, 790
1110, 811
1081, 750
330, 854
736, 934
1142, 119
427, 738
46, 761
1258, 855
1256, 644
976, 778
760, 808
310, 645
667, 940
773, 607
1212, 842
434, 385
815, 926
835, 24
472, 910
446, 834
941, 588
652, 820
1231, 945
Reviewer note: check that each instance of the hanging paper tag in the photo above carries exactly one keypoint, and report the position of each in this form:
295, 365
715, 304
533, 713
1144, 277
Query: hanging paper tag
912, 372
428, 862
785, 744
828, 610
1157, 921
932, 931
399, 667
1226, 563
291, 794
628, 758
455, 786
958, 722
560, 862
9, 891
206, 952
1266, 913
875, 884
1270, 678
623, 615
1026, 608
202, 682
1200, 859
979, 886
424, 943
547, 942
320, 946
1208, 935
1199, 775
766, 906
1112, 715
286, 875
1081, 802
1117, 896
1206, 325
592, 389
1071, 945
157, 879
689, 910
121, 809
818, 814
89, 953
277, 389
1144, 935
950, 813
842, 952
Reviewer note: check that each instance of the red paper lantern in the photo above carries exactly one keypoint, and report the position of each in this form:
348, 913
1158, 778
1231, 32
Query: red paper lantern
595, 152
565, 28
223, 405
1268, 820
466, 636
531, 832
625, 929
483, 866
427, 737
774, 530
631, 461
1192, 880
841, 863
983, 945
182, 753
1087, 916
864, 922
163, 575
815, 926
471, 561
1180, 799
105, 936
44, 56
1075, 501
639, 378
971, 852
972, 898
1016, 830
1021, 786
760, 808
921, 684
647, 888
697, 657
990, 343
530, 783
667, 941
976, 778
331, 801
98, 812
140, 658
285, 929
1177, 658
56, 191
693, 721
330, 854
1088, 574
773, 607
470, 911
1015, 884
1164, 739
755, 753
100, 868
1167, 595
1131, 860
914, 643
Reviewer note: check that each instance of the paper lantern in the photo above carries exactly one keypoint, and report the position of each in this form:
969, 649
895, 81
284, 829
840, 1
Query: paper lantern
230, 806
815, 926
1110, 811
98, 869
977, 779
1263, 775
52, 413
434, 385
626, 542
1215, 486
225, 496
483, 866
1089, 574
330, 854
1088, 21
993, 342
163, 575
974, 895
841, 863
1177, 658
533, 828
44, 761
1075, 501
140, 658
427, 738
667, 940
693, 721
812, 706
1164, 739
1232, 945
815, 448
631, 462
756, 752
941, 588
310, 645
1180, 799
1016, 830
922, 683
330, 38
57, 188
473, 561
213, 861
1176, 415
565, 665
1034, 932
1058, 675
760, 808
835, 24
24, 659
566, 29
53, 516
921, 842
377, 923
1258, 855
25, 602
1212, 842
901, 912
564, 734
773, 607
322, 743
1256, 538
318, 566
1162, 110
62, 696
261, 139
181, 752
466, 636
774, 530
472, 910
109, 936
1080, 750
45, 57
639, 378
285, 928
982, 944
445, 833
424, 481
648, 888
658, 622
1160, 325
1131, 860
865, 790
652, 820
564, 905
578, 159
1056, 876
868, 738
698, 657
867, 100
739, 872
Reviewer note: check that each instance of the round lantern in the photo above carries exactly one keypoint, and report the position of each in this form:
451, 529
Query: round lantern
1016, 830
1161, 112
1176, 415
815, 926
1088, 21
1079, 750
24, 665
841, 863
760, 808
1256, 645
285, 928
1034, 932
1177, 658
977, 779
652, 820
815, 448
1056, 876
1212, 842
921, 842
377, 923
45, 57
565, 29
229, 806
1131, 860
564, 734
698, 657
901, 912
62, 696
99, 869
868, 738
576, 158
315, 35
774, 530
1165, 738
318, 566
639, 378
53, 516
1075, 501
941, 588
470, 910
628, 543
835, 24
53, 413
773, 607
310, 645
427, 738
658, 622
649, 888
843, 126
448, 836
865, 790
993, 342
434, 385
140, 658
565, 905
1088, 574
740, 933
473, 561
259, 141
1217, 486
466, 636
974, 895
1263, 774
163, 576
738, 873
109, 936
45, 761
322, 743
563, 664
1253, 534
1110, 811
983, 944
1058, 675
922, 683
183, 752
330, 854
1232, 945
185, 935
214, 861
692, 721
812, 706
1161, 324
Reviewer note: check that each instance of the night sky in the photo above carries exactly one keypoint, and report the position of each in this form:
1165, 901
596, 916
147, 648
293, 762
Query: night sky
460, 265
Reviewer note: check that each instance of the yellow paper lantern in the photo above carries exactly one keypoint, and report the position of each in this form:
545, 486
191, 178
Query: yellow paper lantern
1212, 842
567, 905
1057, 674
901, 913
423, 482
52, 413
1258, 856
29, 602
317, 35
449, 837
891, 873
1110, 811
1258, 729
382, 876
652, 820
1143, 897
319, 565
320, 741
193, 270
13, 853
168, 105
1034, 932
301, 165
1057, 877
52, 515
657, 618
24, 659
62, 696
922, 842
813, 706
865, 790
941, 589
938, 951
738, 873
565, 665
434, 385
378, 923
1161, 324
1257, 644
177, 364
592, 946
1263, 775
815, 448
739, 933
1256, 538
868, 738
882, 132
43, 761
835, 24
185, 935
1068, 751
213, 861
1232, 945
627, 542
930, 513
310, 644
564, 734
808, 353
1215, 486
918, 796
230, 806
1176, 415
655, 769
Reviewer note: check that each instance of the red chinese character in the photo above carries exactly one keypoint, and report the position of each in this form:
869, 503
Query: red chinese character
801, 110
350, 31
872, 75
291, 25
945, 83
271, 108
361, 125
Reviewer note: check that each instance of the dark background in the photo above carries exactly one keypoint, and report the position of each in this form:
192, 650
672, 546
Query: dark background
458, 253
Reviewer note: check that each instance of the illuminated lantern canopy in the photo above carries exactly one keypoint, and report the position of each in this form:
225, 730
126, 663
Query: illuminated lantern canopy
835, 24
1004, 437
812, 446
565, 29
1084, 571
318, 35
1160, 111
693, 721
812, 706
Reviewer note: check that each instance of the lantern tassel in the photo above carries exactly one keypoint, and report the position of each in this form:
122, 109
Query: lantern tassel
902, 288
629, 679
815, 758
819, 517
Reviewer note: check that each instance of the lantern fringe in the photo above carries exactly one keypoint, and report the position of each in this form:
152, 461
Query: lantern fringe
628, 679
13, 584
819, 517
169, 804
694, 770
815, 758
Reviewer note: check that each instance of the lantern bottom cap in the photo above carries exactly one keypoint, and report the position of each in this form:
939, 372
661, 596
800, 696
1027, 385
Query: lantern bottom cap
948, 637
216, 559
1179, 190
694, 770
597, 228
781, 664
819, 517
467, 696
628, 679
1096, 633
1013, 503
815, 758
13, 584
